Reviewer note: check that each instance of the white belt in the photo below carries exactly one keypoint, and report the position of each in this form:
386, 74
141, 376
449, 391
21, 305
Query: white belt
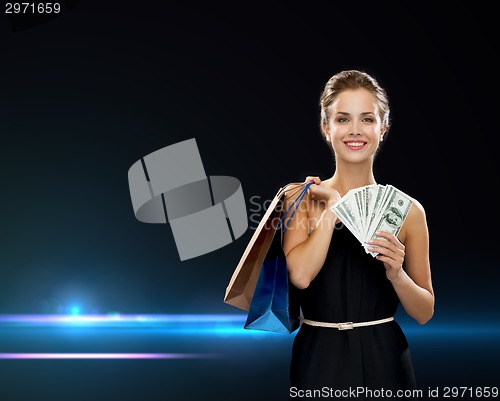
346, 325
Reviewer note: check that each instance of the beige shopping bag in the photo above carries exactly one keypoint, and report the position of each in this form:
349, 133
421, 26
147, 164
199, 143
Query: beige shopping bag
241, 287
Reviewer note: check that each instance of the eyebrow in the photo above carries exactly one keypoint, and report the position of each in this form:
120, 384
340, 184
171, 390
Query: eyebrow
348, 114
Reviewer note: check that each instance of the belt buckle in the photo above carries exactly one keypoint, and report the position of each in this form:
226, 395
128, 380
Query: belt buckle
345, 326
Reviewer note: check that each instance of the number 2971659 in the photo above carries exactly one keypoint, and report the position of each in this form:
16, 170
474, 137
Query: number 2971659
32, 8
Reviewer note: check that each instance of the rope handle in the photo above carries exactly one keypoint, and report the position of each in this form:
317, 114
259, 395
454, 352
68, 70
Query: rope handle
296, 202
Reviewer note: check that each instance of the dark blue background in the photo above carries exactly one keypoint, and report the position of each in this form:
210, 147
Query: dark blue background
86, 94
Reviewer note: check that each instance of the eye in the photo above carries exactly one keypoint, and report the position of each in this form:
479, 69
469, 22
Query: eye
343, 120
368, 120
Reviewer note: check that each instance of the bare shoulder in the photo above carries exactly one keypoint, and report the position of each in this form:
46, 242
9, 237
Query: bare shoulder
416, 214
415, 224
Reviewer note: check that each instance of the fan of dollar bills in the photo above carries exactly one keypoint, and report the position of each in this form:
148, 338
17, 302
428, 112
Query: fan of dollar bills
371, 208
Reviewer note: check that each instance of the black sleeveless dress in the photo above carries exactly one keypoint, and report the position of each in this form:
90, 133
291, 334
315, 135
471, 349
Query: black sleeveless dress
350, 287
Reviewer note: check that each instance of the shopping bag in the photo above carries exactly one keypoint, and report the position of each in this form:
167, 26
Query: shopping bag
273, 307
241, 287
275, 304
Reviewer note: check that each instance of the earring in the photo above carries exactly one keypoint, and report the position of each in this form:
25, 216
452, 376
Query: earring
381, 139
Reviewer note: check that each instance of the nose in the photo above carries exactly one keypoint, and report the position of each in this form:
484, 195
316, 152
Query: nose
355, 129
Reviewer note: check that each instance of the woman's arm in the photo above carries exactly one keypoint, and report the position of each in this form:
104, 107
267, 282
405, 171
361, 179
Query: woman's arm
413, 283
306, 240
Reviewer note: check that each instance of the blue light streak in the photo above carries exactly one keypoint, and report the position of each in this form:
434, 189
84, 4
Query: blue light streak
181, 327
212, 324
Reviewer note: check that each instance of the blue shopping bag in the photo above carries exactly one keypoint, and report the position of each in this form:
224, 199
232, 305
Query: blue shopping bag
275, 303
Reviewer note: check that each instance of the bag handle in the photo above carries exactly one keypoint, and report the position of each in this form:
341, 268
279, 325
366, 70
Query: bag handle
295, 204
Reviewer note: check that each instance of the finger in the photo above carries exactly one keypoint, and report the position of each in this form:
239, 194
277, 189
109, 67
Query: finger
314, 179
391, 251
384, 234
389, 237
387, 249
395, 257
385, 259
381, 243
378, 249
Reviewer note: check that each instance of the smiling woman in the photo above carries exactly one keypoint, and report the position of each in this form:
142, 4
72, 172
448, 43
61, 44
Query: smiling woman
348, 337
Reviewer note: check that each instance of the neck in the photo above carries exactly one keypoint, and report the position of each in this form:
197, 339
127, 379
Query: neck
348, 176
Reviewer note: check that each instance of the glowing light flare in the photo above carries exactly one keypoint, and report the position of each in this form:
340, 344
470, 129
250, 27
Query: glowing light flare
105, 356
134, 320
182, 324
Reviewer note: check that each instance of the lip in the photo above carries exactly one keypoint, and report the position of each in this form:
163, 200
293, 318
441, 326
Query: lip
355, 145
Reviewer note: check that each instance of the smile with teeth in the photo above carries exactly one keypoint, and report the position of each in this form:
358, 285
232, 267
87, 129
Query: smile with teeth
355, 144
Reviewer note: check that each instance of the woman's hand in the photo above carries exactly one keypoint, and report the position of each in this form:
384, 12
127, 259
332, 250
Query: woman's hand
322, 193
390, 251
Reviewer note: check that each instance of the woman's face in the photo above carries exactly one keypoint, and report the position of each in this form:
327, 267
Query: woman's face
354, 128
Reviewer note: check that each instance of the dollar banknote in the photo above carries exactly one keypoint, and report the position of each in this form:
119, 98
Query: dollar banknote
372, 208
